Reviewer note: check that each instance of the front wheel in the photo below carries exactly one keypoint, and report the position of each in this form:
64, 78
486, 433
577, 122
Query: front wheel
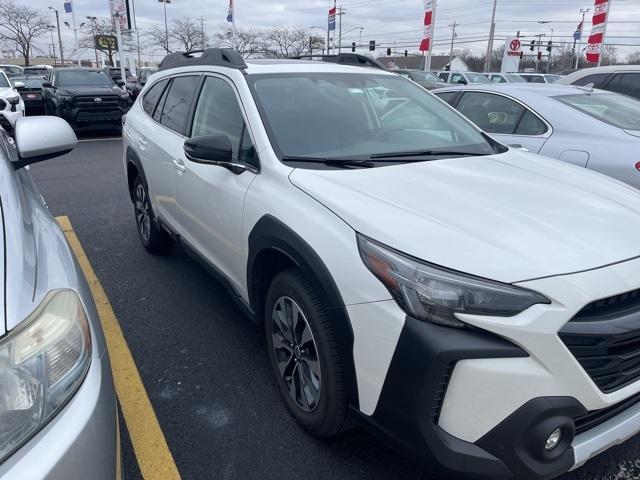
304, 355
152, 237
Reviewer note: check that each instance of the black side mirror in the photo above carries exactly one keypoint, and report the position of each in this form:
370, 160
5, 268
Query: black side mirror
214, 150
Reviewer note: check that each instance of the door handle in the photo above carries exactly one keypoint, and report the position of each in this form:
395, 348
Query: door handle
142, 142
179, 166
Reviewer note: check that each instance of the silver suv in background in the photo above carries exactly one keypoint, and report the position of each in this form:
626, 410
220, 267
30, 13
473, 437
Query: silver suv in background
58, 417
463, 78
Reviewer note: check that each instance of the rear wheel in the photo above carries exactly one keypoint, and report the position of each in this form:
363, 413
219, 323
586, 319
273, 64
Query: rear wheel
304, 355
154, 239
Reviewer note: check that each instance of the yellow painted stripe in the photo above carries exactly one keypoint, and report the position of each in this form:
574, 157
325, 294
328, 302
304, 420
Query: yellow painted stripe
151, 449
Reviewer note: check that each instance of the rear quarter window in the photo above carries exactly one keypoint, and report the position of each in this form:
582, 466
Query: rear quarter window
150, 99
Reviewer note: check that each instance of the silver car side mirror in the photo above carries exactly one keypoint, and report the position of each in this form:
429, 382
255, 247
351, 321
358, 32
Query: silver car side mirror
41, 138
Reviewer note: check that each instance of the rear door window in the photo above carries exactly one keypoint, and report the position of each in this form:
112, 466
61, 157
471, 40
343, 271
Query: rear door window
150, 99
458, 78
626, 83
177, 105
492, 113
446, 96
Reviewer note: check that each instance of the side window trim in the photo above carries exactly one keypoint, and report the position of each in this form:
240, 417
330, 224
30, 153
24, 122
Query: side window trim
161, 101
161, 98
525, 107
247, 125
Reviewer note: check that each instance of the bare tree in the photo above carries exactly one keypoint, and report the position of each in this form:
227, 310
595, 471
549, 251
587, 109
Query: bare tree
246, 42
102, 26
287, 42
156, 36
188, 34
609, 55
20, 25
634, 58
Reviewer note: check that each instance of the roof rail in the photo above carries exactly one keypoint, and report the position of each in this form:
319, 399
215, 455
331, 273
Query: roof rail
219, 57
344, 59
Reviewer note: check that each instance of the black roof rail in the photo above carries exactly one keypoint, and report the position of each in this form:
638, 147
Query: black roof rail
219, 57
344, 59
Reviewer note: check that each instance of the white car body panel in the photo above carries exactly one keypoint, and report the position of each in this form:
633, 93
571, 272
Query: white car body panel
517, 207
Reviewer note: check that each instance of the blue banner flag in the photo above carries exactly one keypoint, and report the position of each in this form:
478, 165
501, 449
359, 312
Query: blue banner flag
230, 14
67, 6
578, 33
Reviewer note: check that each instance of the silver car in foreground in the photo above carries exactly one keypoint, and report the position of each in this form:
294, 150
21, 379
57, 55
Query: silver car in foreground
58, 417
594, 129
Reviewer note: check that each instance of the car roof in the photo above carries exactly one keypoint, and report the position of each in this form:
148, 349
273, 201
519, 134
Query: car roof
524, 89
572, 77
266, 66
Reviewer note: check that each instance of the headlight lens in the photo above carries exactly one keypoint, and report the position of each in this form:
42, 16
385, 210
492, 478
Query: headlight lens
41, 366
64, 98
14, 100
432, 293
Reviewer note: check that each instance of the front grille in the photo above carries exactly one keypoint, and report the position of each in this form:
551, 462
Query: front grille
605, 339
441, 390
88, 102
596, 417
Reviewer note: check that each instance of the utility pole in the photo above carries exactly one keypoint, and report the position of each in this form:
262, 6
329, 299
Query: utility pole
51, 28
166, 24
583, 11
135, 25
550, 52
427, 63
120, 49
202, 20
539, 35
492, 32
340, 12
59, 36
453, 37
93, 34
75, 32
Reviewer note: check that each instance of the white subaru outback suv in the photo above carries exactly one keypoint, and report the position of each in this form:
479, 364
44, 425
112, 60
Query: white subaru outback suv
477, 306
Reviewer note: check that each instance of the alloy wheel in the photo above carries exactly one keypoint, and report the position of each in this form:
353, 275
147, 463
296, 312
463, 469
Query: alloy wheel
296, 353
143, 217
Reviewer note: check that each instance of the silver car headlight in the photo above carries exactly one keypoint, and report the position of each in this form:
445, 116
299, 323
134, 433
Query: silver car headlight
42, 364
428, 292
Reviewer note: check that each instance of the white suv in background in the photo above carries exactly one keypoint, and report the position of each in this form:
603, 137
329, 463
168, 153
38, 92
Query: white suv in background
11, 104
476, 305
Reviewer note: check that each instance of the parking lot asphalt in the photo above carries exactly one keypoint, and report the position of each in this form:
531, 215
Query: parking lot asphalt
203, 364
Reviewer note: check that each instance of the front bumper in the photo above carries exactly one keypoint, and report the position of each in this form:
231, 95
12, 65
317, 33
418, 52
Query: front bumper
485, 412
89, 118
82, 441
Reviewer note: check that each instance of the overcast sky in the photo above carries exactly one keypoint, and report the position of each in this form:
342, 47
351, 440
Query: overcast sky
389, 22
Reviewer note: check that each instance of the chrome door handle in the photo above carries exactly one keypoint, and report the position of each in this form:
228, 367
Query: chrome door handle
179, 166
142, 142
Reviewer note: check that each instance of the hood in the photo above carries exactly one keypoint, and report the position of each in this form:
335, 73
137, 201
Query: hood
509, 217
635, 133
7, 92
89, 90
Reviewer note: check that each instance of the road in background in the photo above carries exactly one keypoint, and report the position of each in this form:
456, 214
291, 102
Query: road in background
203, 364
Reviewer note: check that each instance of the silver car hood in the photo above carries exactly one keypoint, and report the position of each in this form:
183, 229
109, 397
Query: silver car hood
635, 133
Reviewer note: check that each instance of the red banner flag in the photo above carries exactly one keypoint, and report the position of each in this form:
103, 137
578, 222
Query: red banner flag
427, 38
600, 14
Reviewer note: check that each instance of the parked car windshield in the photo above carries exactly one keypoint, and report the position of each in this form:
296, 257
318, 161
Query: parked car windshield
35, 71
421, 76
83, 77
617, 110
32, 82
358, 115
4, 82
477, 77
552, 78
513, 78
11, 69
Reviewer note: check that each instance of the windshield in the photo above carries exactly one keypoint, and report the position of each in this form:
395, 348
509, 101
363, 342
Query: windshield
358, 115
35, 71
421, 76
611, 108
11, 69
477, 78
515, 78
552, 78
31, 82
4, 82
83, 77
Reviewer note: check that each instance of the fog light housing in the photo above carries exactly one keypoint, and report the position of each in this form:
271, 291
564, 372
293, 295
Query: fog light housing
553, 440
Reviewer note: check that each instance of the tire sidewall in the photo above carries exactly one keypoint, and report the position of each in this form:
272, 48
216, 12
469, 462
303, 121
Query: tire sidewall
288, 284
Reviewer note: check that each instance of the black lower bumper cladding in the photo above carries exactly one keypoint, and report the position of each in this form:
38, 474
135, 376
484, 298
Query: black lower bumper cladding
408, 409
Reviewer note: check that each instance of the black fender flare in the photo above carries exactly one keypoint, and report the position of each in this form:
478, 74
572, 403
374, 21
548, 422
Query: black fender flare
133, 158
269, 233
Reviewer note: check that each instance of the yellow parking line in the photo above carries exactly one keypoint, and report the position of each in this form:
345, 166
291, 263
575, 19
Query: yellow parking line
151, 449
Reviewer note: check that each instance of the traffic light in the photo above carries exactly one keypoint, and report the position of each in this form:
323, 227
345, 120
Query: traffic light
372, 45
388, 52
406, 53
353, 47
532, 47
549, 45
539, 55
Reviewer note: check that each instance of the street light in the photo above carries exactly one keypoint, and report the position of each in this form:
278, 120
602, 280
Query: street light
51, 28
166, 25
59, 36
353, 30
93, 34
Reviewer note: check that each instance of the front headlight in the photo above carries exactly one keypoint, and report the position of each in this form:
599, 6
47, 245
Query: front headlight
42, 364
436, 294
64, 98
14, 100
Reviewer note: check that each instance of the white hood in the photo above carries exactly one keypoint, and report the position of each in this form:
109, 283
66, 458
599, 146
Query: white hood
509, 217
6, 92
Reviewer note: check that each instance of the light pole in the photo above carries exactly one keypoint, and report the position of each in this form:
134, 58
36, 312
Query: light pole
93, 34
349, 31
550, 52
59, 36
51, 28
583, 11
135, 25
453, 38
166, 25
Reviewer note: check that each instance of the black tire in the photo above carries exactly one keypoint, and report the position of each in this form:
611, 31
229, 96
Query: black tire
153, 238
328, 414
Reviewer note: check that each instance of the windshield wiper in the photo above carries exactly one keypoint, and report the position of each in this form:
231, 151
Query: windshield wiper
332, 162
426, 153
